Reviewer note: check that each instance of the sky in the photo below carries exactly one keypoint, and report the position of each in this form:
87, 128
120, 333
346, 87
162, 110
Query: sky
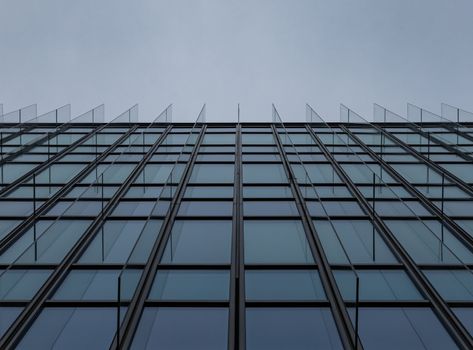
225, 52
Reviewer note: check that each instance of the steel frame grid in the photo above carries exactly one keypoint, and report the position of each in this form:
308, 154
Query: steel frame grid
249, 303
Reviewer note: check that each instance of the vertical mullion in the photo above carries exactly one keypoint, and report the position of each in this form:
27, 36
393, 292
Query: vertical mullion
456, 229
340, 314
443, 311
11, 237
236, 338
133, 315
14, 334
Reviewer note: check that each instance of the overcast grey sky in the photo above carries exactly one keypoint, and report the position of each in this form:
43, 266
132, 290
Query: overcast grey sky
255, 52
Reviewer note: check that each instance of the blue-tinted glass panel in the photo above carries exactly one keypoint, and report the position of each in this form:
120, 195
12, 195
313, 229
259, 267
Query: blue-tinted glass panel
190, 285
291, 328
315, 173
283, 285
199, 241
97, 285
377, 285
278, 241
264, 173
401, 328
452, 285
358, 241
257, 139
72, 328
267, 192
53, 241
334, 208
21, 284
209, 192
118, 240
205, 208
422, 240
219, 139
465, 314
7, 316
182, 328
6, 226
212, 173
266, 208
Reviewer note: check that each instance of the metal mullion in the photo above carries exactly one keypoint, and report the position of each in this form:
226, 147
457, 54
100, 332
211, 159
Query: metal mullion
51, 160
464, 186
132, 316
456, 229
337, 305
66, 188
32, 310
238, 263
445, 314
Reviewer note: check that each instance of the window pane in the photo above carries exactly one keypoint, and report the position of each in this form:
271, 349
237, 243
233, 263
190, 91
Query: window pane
54, 240
215, 139
210, 173
357, 239
264, 173
291, 328
97, 285
281, 241
190, 285
422, 240
72, 328
21, 284
267, 192
266, 208
401, 328
465, 314
198, 241
452, 285
257, 139
209, 192
283, 285
207, 208
377, 285
7, 316
119, 238
335, 209
182, 328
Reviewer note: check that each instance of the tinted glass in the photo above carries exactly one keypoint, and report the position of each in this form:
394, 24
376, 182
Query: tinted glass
198, 328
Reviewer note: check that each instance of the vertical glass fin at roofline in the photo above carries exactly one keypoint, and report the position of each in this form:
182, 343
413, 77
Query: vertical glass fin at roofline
456, 114
58, 115
311, 115
21, 115
130, 115
418, 114
202, 117
165, 116
1, 111
382, 115
95, 115
349, 116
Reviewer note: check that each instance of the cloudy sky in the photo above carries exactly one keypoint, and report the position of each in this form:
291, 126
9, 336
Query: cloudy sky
222, 52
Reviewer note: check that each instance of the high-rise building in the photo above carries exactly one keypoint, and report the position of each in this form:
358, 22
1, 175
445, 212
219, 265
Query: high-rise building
301, 235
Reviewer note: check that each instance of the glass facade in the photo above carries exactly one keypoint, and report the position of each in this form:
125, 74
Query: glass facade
233, 236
